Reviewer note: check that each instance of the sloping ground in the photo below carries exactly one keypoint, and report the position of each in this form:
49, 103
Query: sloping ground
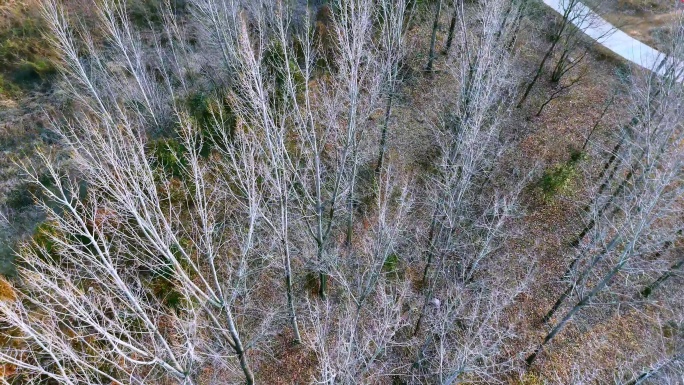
646, 20
648, 28
611, 37
27, 72
547, 138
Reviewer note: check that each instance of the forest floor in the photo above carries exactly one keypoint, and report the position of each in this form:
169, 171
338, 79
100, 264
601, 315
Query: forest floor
26, 94
544, 141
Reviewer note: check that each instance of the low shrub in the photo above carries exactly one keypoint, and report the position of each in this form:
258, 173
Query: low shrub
145, 13
169, 156
8, 88
26, 57
557, 178
21, 197
205, 111
391, 264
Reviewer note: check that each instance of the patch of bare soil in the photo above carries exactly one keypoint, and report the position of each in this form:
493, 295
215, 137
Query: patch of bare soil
646, 20
646, 27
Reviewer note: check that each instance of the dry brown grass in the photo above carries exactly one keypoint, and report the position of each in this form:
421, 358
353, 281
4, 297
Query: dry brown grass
290, 364
548, 225
7, 370
7, 292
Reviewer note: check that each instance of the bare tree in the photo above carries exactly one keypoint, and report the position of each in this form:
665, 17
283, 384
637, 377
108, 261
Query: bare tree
433, 37
568, 34
632, 227
354, 337
106, 256
393, 15
359, 80
328, 118
467, 137
460, 322
452, 26
263, 105
142, 273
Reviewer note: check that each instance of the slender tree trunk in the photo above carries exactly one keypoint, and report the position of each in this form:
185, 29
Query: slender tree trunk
350, 206
581, 304
613, 243
290, 294
603, 208
418, 363
598, 121
611, 168
383, 134
559, 68
431, 247
350, 214
322, 277
452, 29
428, 264
558, 304
609, 163
320, 233
353, 142
537, 75
648, 290
239, 349
419, 322
556, 38
518, 24
285, 225
642, 377
433, 39
561, 300
649, 373
549, 100
559, 326
611, 174
244, 364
